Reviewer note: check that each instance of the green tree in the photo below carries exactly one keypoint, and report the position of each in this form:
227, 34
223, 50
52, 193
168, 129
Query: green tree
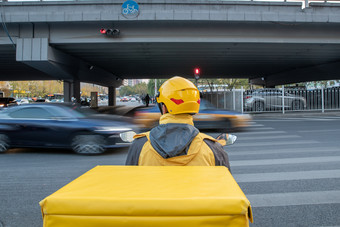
322, 83
141, 88
151, 86
87, 88
230, 84
126, 90
4, 87
35, 88
235, 83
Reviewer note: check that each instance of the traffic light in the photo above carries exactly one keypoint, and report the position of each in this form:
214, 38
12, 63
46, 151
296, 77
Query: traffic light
110, 31
197, 72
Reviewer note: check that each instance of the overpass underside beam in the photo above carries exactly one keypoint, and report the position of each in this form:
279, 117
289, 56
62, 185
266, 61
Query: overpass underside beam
328, 71
38, 54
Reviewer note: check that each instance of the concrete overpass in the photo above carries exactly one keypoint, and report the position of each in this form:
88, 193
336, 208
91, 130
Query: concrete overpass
270, 43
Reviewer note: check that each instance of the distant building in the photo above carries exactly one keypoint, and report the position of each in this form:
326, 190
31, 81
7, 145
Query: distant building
132, 82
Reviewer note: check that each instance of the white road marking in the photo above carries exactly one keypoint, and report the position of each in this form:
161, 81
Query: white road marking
263, 128
294, 198
277, 120
318, 119
283, 151
275, 143
255, 125
240, 138
320, 130
286, 176
284, 161
256, 133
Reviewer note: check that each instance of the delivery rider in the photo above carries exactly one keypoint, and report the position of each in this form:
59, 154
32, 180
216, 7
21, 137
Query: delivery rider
176, 141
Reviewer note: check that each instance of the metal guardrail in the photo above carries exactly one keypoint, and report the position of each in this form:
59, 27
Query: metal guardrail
304, 3
276, 100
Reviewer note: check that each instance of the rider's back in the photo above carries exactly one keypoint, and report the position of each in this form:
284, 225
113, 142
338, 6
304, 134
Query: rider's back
176, 142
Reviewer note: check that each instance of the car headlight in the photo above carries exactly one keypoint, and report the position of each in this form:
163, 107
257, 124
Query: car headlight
127, 136
112, 129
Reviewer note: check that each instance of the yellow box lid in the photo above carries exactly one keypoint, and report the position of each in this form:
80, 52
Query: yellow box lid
150, 190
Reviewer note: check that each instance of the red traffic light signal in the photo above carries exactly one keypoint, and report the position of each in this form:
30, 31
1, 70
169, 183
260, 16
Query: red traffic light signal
197, 71
110, 31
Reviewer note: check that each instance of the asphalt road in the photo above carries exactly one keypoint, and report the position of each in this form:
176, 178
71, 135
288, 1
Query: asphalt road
289, 168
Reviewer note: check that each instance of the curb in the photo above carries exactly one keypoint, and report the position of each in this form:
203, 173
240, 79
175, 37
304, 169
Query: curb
297, 114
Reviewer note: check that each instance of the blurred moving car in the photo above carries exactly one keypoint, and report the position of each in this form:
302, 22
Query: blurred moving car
103, 102
22, 101
84, 101
209, 118
271, 99
59, 125
42, 100
7, 101
124, 99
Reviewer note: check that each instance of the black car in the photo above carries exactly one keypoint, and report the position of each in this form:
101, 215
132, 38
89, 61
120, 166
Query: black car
61, 126
7, 101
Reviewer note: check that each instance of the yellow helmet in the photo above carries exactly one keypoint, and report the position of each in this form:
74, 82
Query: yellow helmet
179, 95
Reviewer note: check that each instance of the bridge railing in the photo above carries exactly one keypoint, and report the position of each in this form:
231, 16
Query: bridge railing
306, 2
275, 99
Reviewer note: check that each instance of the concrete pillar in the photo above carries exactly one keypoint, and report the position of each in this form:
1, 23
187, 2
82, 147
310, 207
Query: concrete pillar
76, 90
71, 89
67, 91
112, 96
94, 99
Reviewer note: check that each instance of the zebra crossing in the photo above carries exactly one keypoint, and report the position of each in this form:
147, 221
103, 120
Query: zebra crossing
290, 173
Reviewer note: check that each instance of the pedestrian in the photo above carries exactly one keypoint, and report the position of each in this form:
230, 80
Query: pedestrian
147, 100
176, 141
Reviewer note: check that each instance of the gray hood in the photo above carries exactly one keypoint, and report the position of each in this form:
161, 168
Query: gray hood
172, 139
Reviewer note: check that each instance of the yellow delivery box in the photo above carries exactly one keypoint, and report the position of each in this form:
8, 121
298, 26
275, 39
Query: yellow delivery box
149, 196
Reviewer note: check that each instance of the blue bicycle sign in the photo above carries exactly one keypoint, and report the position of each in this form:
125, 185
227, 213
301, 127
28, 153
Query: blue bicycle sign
130, 9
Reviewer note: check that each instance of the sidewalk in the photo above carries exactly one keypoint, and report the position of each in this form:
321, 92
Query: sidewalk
302, 114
